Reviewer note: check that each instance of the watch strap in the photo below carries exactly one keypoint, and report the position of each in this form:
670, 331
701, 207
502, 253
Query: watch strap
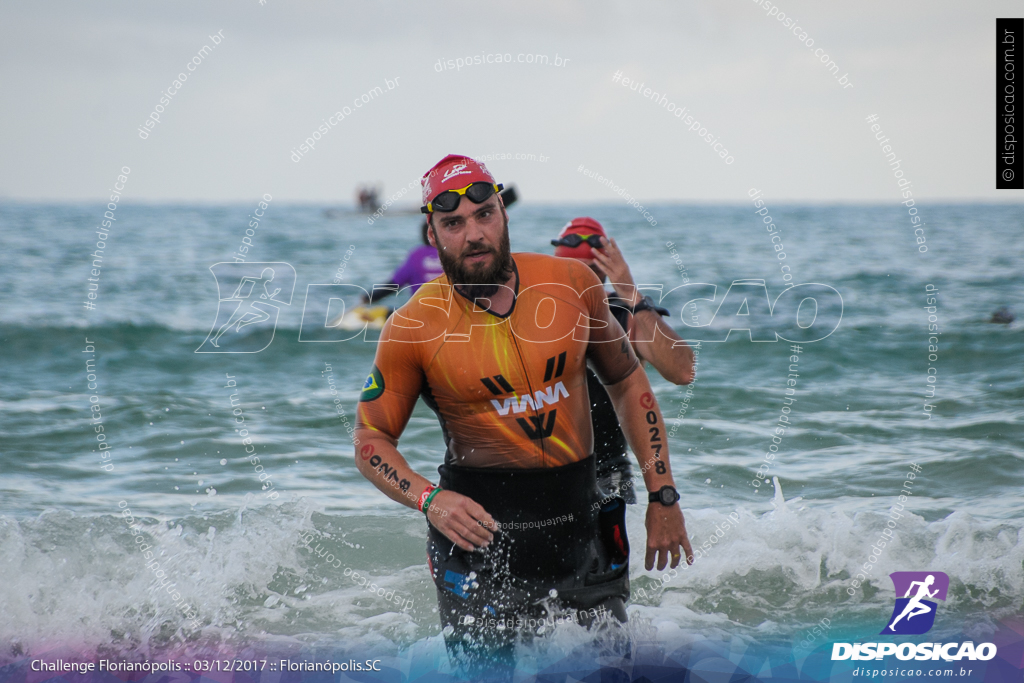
656, 496
647, 304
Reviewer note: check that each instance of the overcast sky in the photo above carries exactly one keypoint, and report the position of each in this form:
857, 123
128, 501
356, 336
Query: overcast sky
79, 78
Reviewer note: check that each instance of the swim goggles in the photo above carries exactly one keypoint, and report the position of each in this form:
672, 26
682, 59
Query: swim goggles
574, 240
449, 200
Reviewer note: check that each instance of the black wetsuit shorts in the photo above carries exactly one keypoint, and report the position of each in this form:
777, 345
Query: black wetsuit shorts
560, 555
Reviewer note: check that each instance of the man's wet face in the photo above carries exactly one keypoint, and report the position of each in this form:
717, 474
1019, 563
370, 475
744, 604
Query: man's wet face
473, 245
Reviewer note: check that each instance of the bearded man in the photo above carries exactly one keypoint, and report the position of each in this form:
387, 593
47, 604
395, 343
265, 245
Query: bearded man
498, 348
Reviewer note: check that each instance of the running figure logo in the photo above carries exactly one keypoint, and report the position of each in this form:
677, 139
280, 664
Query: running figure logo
246, 312
914, 613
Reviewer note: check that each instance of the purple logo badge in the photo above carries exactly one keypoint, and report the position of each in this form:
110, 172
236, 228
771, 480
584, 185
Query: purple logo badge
914, 613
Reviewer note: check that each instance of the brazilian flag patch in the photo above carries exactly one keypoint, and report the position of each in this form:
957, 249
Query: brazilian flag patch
374, 385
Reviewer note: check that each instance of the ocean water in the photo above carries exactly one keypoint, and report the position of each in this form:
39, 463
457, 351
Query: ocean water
273, 562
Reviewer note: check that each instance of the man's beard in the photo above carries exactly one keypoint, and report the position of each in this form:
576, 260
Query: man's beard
479, 282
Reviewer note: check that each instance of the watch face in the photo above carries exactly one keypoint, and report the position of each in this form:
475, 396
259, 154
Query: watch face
668, 496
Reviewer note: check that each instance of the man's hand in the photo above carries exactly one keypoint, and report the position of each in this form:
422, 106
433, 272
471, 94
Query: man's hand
614, 265
666, 531
461, 519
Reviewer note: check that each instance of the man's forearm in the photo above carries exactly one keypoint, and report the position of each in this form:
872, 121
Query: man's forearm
657, 343
644, 427
378, 460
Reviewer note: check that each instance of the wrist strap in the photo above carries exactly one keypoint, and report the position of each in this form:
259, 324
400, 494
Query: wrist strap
425, 496
429, 492
426, 505
647, 304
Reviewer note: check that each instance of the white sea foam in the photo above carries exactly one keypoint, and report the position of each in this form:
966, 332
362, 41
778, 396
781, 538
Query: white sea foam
791, 564
79, 580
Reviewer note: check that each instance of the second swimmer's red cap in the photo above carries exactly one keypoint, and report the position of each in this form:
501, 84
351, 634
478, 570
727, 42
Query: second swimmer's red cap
451, 173
582, 226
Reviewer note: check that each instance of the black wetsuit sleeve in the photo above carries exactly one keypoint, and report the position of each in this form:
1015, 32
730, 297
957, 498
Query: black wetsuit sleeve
619, 310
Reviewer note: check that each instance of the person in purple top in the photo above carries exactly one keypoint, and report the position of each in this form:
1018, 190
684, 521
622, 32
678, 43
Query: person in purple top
421, 265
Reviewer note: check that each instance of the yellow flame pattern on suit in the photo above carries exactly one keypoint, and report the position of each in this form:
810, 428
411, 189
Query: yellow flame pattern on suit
509, 391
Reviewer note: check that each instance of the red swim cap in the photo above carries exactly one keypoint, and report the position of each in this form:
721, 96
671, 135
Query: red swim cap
451, 173
582, 226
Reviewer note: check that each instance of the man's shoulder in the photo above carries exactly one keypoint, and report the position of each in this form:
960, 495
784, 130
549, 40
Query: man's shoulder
425, 298
530, 261
538, 269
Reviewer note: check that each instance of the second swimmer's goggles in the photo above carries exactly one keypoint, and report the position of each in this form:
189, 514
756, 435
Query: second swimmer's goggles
449, 200
574, 240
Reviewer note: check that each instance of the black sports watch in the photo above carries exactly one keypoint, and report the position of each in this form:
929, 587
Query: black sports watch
666, 495
647, 304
